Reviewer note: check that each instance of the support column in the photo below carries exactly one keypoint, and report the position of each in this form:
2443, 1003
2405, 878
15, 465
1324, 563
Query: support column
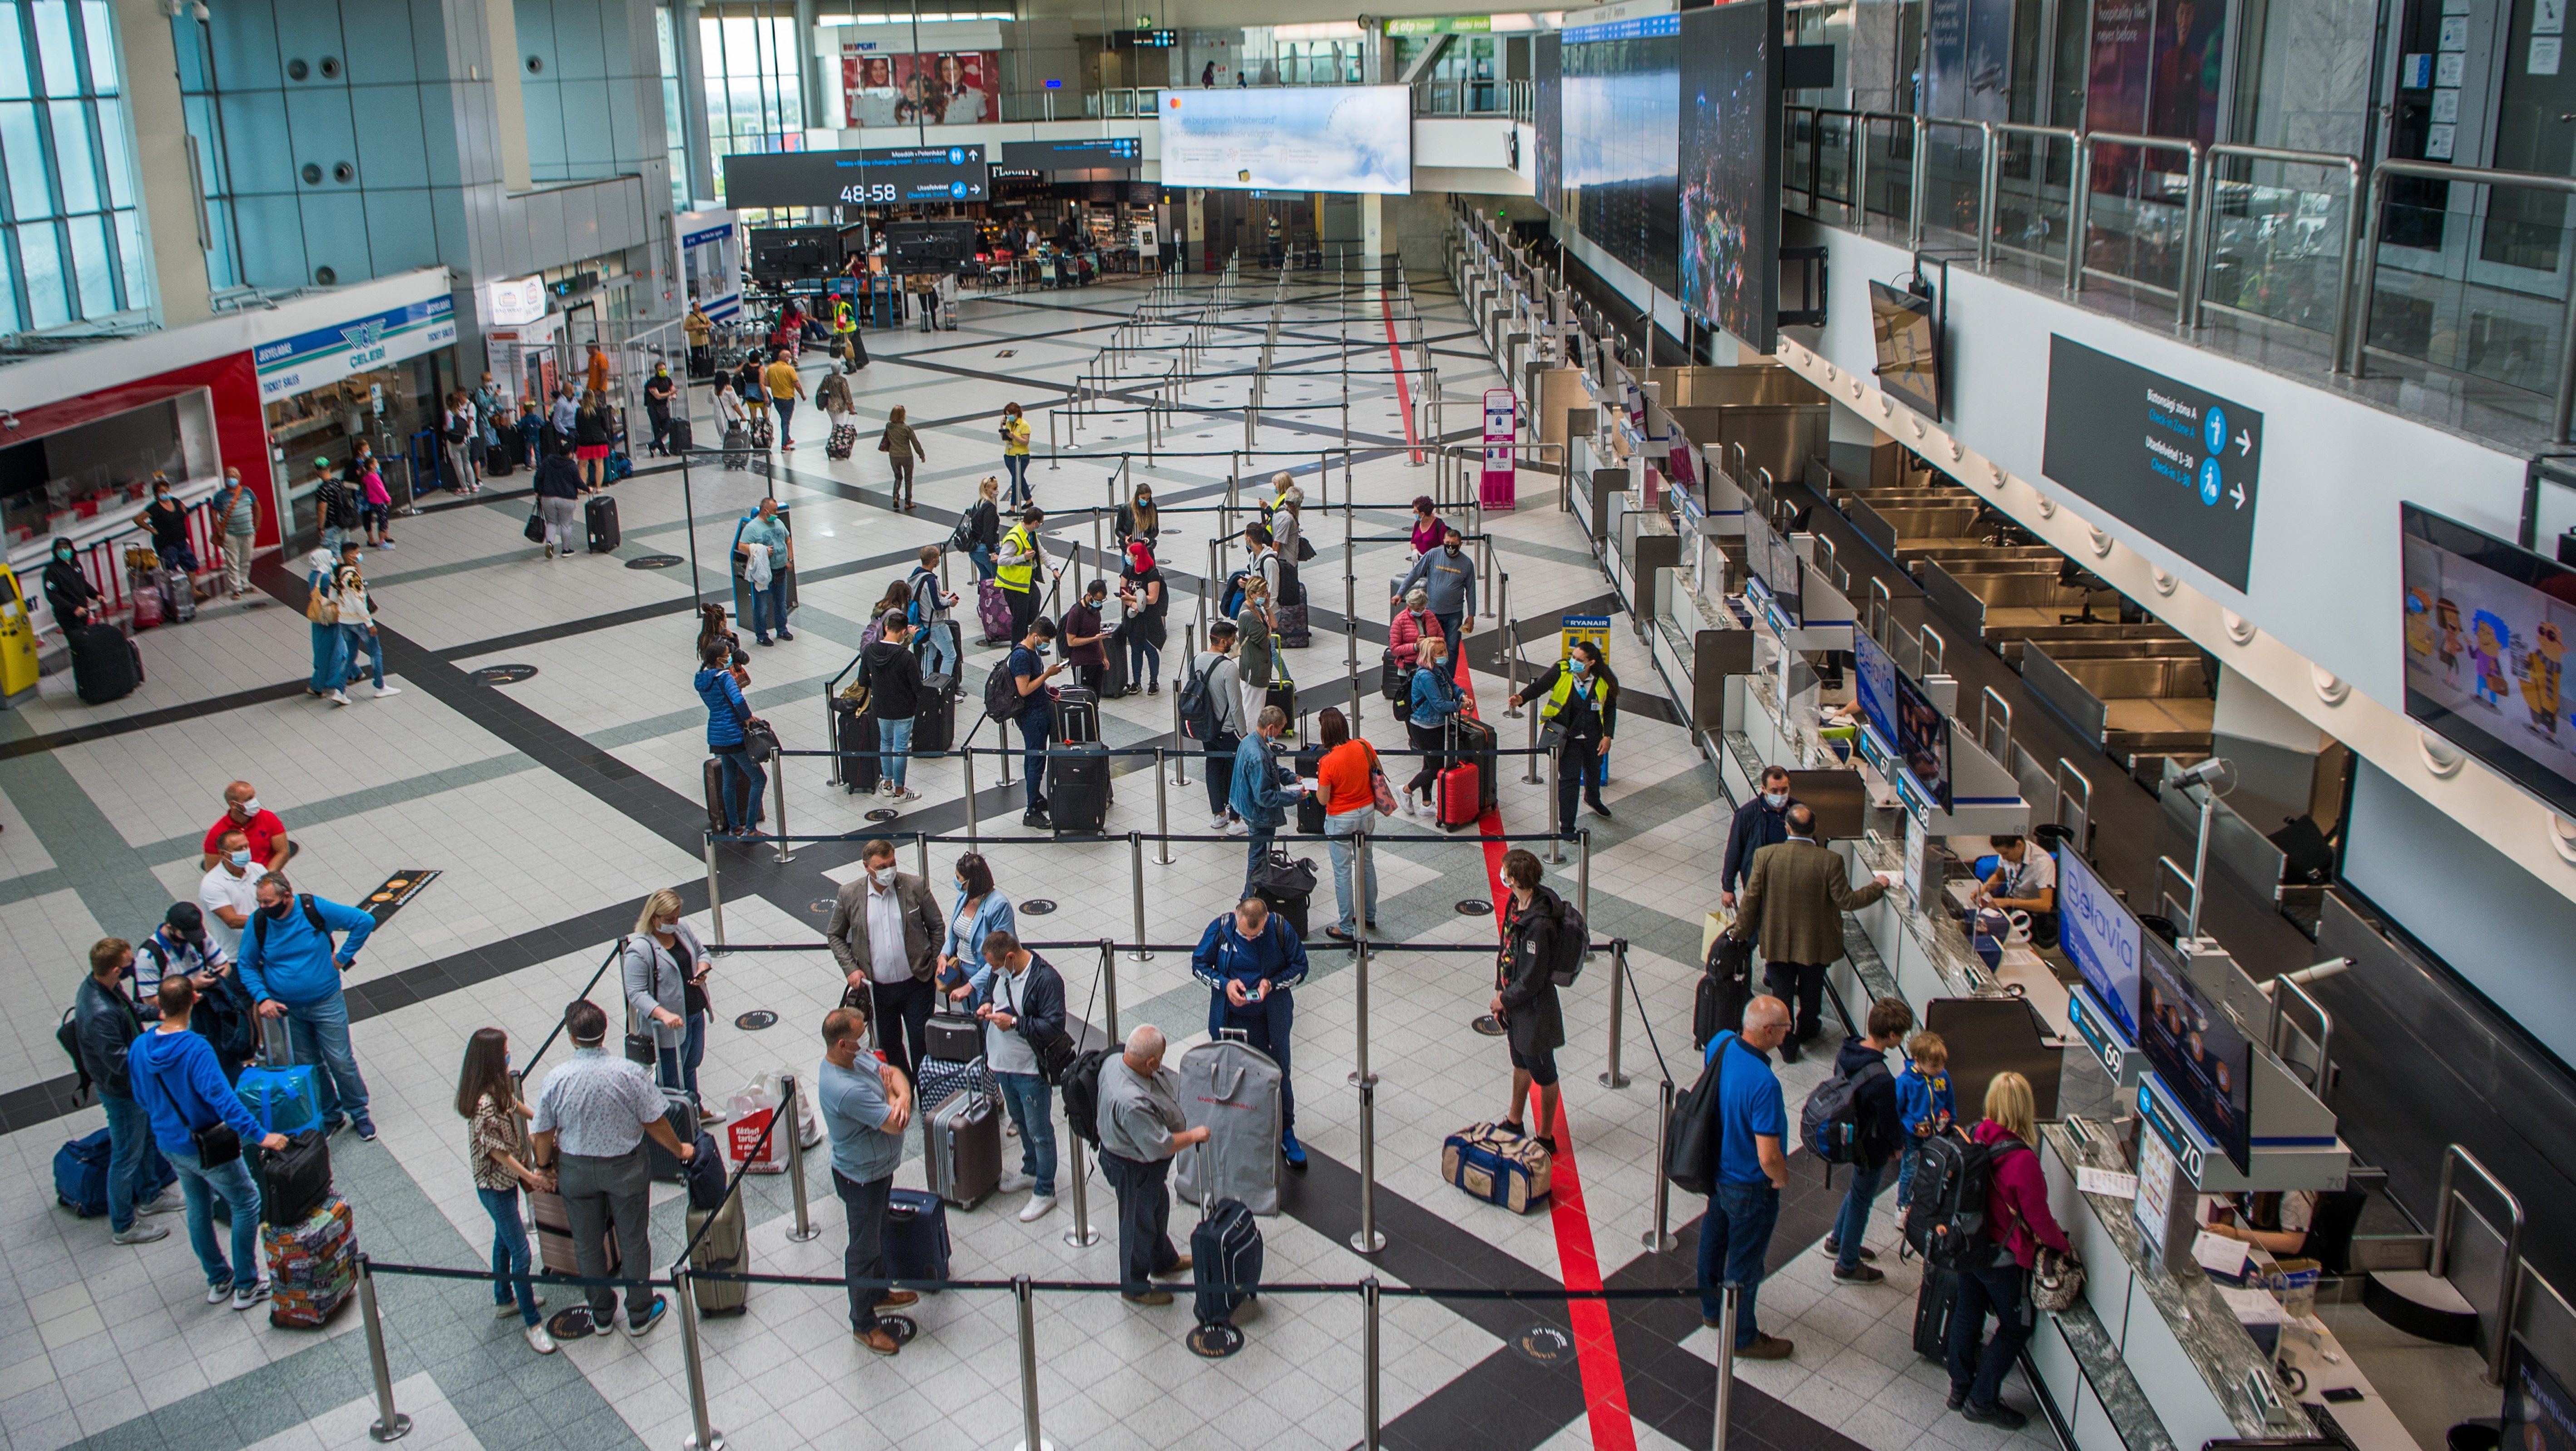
510, 126
693, 103
170, 199
1372, 237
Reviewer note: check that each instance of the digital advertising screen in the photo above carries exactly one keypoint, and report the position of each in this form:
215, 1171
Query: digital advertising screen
1909, 348
2539, 1415
1547, 69
2197, 1050
1619, 117
1874, 682
942, 88
1085, 153
2097, 931
1730, 167
1923, 740
879, 176
2487, 626
1290, 138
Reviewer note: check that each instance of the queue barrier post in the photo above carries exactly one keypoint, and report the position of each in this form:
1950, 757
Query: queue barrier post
788, 1114
1612, 1077
1082, 1235
1725, 1367
1026, 1294
1660, 1237
703, 1435
966, 757
391, 1425
715, 899
1369, 1408
1360, 959
1529, 773
1162, 812
778, 799
1556, 822
1368, 1239
1136, 881
1109, 990
1511, 663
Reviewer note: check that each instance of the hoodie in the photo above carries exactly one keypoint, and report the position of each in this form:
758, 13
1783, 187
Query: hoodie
1873, 1104
2017, 1200
288, 959
176, 1079
894, 681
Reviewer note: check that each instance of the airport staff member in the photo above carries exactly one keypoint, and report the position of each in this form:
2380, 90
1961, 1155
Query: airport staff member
1021, 569
2025, 881
1249, 958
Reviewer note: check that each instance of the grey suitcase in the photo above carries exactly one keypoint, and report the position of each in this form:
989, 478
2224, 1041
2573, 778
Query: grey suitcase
963, 1149
725, 1249
1232, 1088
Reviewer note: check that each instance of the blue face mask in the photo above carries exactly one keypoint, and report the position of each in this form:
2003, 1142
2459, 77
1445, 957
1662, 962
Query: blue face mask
1582, 668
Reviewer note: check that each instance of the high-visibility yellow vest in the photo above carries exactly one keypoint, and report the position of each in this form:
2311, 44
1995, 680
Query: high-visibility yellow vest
1016, 577
1563, 689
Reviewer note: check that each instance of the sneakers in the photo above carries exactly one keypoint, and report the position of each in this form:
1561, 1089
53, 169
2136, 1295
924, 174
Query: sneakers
139, 1234
1216, 825
1998, 1415
538, 1340
1601, 810
1014, 1181
217, 1294
1859, 1275
1235, 826
550, 551
166, 1202
1038, 819
707, 1117
904, 793
785, 634
510, 1307
1958, 1397
384, 690
653, 1313
1156, 688
1832, 1249
333, 1125
367, 1129
338, 697
245, 1296
1292, 1152
1037, 1208
882, 788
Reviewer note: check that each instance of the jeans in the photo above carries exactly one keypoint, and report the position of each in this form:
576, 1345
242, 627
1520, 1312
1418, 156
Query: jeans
1256, 849
1219, 774
864, 1257
769, 610
982, 554
509, 1252
597, 1193
1265, 1025
1449, 628
330, 658
1906, 1159
1143, 656
744, 780
1018, 466
1144, 1219
1982, 1373
129, 1137
1032, 721
1337, 836
1032, 1107
1853, 1222
233, 1182
693, 1051
320, 1035
786, 414
363, 643
937, 656
894, 749
1734, 1236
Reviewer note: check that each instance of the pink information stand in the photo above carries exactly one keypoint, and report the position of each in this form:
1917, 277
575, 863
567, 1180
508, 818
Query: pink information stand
1495, 486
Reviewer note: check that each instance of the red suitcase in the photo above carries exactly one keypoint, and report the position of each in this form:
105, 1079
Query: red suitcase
1461, 801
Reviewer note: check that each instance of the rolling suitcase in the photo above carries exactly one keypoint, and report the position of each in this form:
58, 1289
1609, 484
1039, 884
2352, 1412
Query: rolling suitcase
296, 1179
1113, 675
962, 1152
683, 1117
934, 721
599, 519
712, 780
312, 1265
1225, 1260
916, 1239
854, 734
180, 593
1933, 1306
1288, 886
105, 665
1310, 807
1497, 1166
680, 439
1078, 788
953, 1038
1459, 803
737, 447
284, 1100
938, 1079
1474, 742
843, 439
1394, 681
1292, 626
1283, 694
1077, 715
725, 1249
554, 1236
1233, 1090
993, 612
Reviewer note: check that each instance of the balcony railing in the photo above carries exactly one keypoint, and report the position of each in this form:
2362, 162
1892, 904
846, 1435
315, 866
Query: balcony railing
1516, 99
2250, 234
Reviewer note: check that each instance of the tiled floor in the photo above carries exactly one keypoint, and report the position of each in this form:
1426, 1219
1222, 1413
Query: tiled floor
551, 805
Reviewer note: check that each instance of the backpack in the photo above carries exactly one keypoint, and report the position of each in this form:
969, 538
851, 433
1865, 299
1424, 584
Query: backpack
1002, 698
1695, 1135
1234, 593
1082, 1095
1829, 1124
68, 1034
1198, 706
914, 612
1572, 945
258, 928
1946, 1222
1724, 987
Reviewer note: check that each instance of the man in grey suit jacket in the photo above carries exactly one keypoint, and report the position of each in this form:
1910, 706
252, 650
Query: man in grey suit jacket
886, 933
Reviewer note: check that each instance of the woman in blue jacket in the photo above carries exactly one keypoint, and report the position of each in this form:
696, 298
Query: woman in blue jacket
981, 909
1436, 697
727, 714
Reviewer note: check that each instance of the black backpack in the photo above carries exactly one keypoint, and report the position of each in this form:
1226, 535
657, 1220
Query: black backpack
259, 923
1198, 706
1946, 1222
68, 1034
1570, 948
1002, 698
1695, 1135
1081, 1088
1829, 1123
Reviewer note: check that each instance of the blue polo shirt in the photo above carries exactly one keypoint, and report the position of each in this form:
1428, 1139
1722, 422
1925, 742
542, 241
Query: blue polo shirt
1748, 1103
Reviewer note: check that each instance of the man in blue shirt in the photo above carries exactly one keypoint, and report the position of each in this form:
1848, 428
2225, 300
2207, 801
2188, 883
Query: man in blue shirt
1260, 796
1752, 1169
1029, 675
292, 972
175, 1078
865, 1106
769, 606
1249, 958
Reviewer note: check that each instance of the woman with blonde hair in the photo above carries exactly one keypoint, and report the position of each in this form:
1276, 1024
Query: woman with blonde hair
487, 1097
982, 526
2017, 1217
664, 971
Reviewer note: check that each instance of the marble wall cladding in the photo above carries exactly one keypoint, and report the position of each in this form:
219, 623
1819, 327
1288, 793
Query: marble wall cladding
2316, 85
1873, 68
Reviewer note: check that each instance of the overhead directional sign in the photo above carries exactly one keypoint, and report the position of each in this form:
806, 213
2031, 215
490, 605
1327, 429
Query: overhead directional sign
2178, 462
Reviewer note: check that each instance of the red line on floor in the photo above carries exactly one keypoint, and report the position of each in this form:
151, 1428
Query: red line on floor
1395, 353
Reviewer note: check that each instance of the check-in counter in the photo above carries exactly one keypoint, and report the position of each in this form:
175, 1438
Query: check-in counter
1647, 543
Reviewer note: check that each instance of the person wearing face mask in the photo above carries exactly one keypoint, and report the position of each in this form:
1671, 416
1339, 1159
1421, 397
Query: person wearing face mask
1448, 579
293, 972
1020, 570
1256, 660
1138, 519
107, 1025
237, 516
269, 847
230, 891
894, 698
1436, 697
1141, 594
1582, 709
982, 909
167, 518
74, 600
1760, 822
885, 932
1020, 997
322, 614
487, 1098
1029, 675
1086, 639
664, 971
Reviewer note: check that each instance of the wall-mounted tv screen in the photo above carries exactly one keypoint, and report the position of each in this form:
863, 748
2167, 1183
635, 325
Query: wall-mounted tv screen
1775, 562
1874, 682
1730, 167
2539, 1415
1547, 70
1923, 739
1290, 138
2487, 629
1909, 347
2197, 1049
1620, 121
2098, 932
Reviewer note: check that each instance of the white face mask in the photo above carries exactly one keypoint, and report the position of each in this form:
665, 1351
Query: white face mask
1775, 799
882, 876
250, 807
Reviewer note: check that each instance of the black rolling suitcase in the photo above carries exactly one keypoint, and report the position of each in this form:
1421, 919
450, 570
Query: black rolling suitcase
934, 721
1473, 741
1287, 886
679, 440
1077, 715
1310, 807
1225, 1257
854, 735
1283, 694
1078, 787
599, 520
1933, 1307
105, 665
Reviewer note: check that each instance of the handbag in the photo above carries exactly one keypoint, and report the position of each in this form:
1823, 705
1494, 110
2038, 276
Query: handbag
761, 738
536, 530
1384, 791
2056, 1281
320, 608
217, 1144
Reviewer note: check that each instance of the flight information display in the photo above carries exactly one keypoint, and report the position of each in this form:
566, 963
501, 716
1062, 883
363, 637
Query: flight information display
879, 176
1087, 152
1620, 125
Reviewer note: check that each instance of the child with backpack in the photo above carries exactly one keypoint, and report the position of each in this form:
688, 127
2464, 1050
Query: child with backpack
1852, 1118
1925, 1103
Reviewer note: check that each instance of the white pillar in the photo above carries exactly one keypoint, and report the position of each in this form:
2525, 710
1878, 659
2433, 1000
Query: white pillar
1372, 236
169, 200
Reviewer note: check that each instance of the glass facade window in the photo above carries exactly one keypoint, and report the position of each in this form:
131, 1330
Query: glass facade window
71, 246
675, 116
755, 84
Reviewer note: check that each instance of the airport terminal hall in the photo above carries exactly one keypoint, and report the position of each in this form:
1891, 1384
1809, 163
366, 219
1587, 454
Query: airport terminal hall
1792, 725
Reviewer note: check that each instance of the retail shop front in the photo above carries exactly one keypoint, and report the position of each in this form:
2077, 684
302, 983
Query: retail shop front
380, 375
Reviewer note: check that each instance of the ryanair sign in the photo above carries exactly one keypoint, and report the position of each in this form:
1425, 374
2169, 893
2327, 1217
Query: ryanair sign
329, 354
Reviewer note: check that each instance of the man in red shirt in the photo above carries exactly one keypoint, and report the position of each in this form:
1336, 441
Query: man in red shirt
268, 845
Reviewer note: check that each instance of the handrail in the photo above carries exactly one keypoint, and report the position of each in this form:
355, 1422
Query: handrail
2287, 986
2452, 1157
2186, 280
2352, 238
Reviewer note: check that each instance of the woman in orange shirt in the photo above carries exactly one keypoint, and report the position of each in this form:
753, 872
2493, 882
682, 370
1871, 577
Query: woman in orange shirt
1348, 777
